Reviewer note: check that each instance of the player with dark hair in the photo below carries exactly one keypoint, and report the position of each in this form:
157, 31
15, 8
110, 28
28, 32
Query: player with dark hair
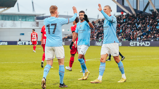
83, 33
73, 51
34, 39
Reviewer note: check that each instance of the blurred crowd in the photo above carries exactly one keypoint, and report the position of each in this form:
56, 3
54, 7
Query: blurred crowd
142, 27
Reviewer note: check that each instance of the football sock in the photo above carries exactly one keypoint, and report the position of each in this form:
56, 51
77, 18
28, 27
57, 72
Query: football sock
101, 70
43, 57
83, 65
34, 47
46, 70
86, 70
121, 68
83, 74
120, 54
110, 56
71, 61
84, 60
123, 76
100, 77
61, 73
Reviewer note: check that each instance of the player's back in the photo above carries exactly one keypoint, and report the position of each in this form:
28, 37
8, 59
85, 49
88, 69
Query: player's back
53, 31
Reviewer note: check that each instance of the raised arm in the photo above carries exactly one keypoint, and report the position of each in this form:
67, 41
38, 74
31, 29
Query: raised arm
75, 14
91, 25
87, 20
111, 19
66, 21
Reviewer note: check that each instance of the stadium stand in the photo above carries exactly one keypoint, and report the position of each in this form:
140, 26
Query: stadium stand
142, 27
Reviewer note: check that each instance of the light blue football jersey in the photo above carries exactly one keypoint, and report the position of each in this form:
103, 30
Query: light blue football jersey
109, 26
83, 31
54, 31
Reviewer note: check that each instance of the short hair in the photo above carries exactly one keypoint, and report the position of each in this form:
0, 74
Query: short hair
77, 20
53, 8
108, 7
33, 29
82, 12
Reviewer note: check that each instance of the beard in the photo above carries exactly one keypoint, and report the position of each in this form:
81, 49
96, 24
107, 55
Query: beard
82, 19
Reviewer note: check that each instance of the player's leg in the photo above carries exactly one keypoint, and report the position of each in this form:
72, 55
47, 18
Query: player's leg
59, 52
72, 52
70, 62
84, 61
122, 57
43, 56
82, 50
49, 60
33, 43
121, 68
115, 52
47, 67
61, 72
104, 55
109, 59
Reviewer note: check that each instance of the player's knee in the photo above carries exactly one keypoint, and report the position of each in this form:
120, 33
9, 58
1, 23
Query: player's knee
80, 60
72, 55
102, 59
80, 56
117, 59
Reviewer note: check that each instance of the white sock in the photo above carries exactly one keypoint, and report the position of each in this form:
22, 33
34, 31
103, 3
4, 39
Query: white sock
83, 74
86, 70
123, 76
100, 77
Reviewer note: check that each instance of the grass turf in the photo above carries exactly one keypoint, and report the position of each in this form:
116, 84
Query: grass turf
20, 69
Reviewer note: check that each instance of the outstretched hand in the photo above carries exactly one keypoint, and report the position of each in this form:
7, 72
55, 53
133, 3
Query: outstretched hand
86, 18
74, 9
100, 7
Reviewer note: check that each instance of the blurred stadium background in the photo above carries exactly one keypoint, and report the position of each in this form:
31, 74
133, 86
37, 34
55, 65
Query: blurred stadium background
138, 20
138, 25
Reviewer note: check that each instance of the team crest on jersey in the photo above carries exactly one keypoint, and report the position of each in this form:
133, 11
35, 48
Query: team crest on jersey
80, 26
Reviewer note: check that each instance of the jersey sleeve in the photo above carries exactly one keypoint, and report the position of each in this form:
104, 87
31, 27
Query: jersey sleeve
88, 25
73, 28
66, 21
111, 19
76, 30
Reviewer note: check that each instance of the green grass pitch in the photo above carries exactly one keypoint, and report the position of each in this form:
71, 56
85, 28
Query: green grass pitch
20, 69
